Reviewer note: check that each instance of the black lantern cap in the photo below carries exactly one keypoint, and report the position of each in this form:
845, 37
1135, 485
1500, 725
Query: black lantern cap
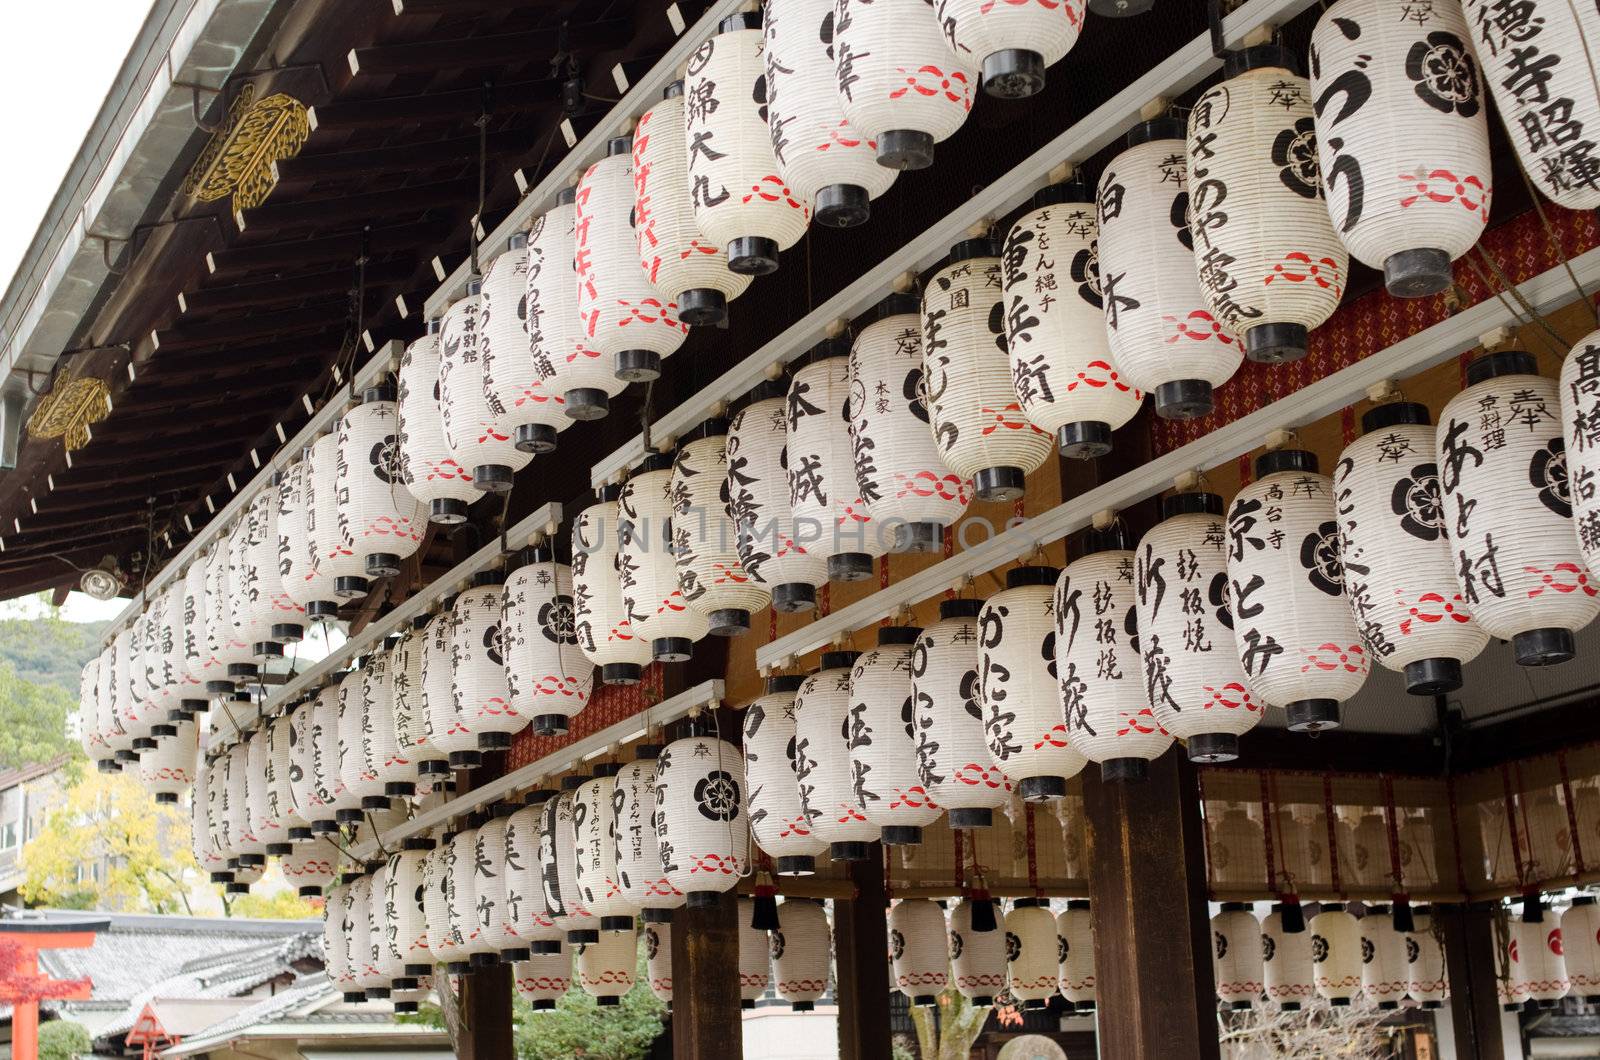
961, 607
1196, 503
1502, 362
1258, 57
1395, 414
784, 683
1286, 460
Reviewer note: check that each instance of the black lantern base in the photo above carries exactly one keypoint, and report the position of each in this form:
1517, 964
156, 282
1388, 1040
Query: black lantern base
446, 511
1290, 1006
267, 649
403, 982
792, 597
243, 671
158, 731
221, 877
849, 567
902, 835
542, 1005
166, 798
1034, 1004
217, 688
512, 956
702, 899
848, 851
999, 483
535, 438
484, 960
375, 803
300, 833
753, 255
274, 850
1013, 73
972, 817
1432, 677
544, 948
1120, 8
702, 307
655, 916
919, 537
1042, 789
108, 765
583, 936
1313, 715
236, 888
327, 826
1544, 647
842, 206
616, 923
672, 649
1244, 1006
1213, 747
608, 1001
803, 1006
1383, 1006
983, 999
465, 759
312, 891
288, 632
549, 724
383, 565
327, 609
925, 1000
621, 673
1084, 440
1440, 1004
730, 622
1417, 273
458, 968
419, 970
127, 757
905, 149
433, 767
637, 366
494, 741
399, 789
1124, 769
351, 587
349, 815
796, 865
1183, 399
353, 997
143, 743
745, 1003
406, 1008
1275, 343
586, 403
376, 993
493, 478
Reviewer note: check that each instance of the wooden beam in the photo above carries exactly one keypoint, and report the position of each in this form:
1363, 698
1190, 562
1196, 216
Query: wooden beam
1367, 752
333, 283
486, 1015
363, 207
434, 106
860, 940
192, 447
706, 1022
1471, 965
188, 336
481, 53
462, 7
401, 158
296, 254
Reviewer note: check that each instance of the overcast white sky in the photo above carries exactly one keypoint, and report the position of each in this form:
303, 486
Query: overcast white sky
60, 60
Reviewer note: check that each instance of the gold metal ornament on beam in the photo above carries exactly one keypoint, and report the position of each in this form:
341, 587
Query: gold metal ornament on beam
66, 412
239, 158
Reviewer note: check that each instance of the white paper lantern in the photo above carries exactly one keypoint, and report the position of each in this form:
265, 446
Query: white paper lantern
604, 633
472, 433
829, 787
1236, 955
819, 155
296, 551
94, 740
606, 967
470, 907
1192, 678
548, 680
975, 414
1013, 42
307, 743
1580, 417
201, 665
310, 867
428, 466
1508, 509
133, 724
953, 758
557, 334
1336, 954
409, 694
118, 744
802, 952
529, 926
379, 521
898, 80
624, 317
337, 557
482, 698
1165, 339
558, 860
447, 733
1031, 952
493, 885
680, 262
1384, 971
338, 929
773, 544
704, 541
358, 705
919, 950
1287, 972
883, 740
1538, 60
1075, 954
168, 770
202, 838
544, 978
823, 492
383, 918
1425, 962
188, 696
701, 825
977, 958
266, 820
1538, 967
315, 586
366, 942
658, 960
778, 817
594, 838
1294, 630
1399, 574
1403, 138
1270, 265
249, 602
1580, 948
249, 847
222, 635
273, 619
741, 201
638, 858
516, 391
755, 956
342, 805
438, 893
647, 569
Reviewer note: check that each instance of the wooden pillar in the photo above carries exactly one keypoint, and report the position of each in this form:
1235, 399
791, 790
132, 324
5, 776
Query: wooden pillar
486, 1015
1469, 951
861, 956
706, 1024
1152, 931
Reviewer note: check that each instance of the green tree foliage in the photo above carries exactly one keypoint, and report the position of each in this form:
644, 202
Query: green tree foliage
49, 650
63, 1040
33, 719
282, 904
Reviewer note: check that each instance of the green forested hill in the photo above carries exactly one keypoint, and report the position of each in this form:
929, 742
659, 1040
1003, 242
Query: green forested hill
49, 651
41, 661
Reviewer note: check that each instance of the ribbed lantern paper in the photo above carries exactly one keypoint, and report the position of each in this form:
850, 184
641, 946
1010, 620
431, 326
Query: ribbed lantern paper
249, 607
1164, 338
1425, 964
557, 335
883, 739
594, 836
1399, 573
1336, 954
529, 925
493, 882
681, 263
1580, 418
1270, 265
1580, 946
516, 390
548, 680
113, 677
1192, 678
820, 156
200, 664
248, 846
1508, 509
1017, 686
638, 857
953, 759
705, 544
447, 735
755, 957
919, 950
202, 838
314, 585
383, 921
772, 544
468, 908
1402, 137
657, 940
1384, 971
167, 771
307, 744
778, 817
1236, 955
977, 958
1108, 717
741, 202
802, 951
284, 619
1538, 967
898, 80
1031, 952
1013, 42
162, 662
900, 471
338, 928
1287, 972
94, 739
623, 317
474, 435
558, 860
187, 697
266, 822
437, 895
605, 635
409, 695
974, 411
284, 777
370, 979
1538, 59
1061, 366
544, 978
482, 699
647, 570
829, 787
379, 521
701, 826
428, 467
606, 967
1075, 954
337, 558
342, 805
310, 867
1296, 635
222, 639
358, 721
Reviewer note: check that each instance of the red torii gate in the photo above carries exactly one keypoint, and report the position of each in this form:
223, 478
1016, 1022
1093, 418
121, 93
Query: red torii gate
22, 986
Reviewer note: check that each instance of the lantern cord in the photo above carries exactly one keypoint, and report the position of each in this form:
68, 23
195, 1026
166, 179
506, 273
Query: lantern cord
1555, 242
361, 303
1219, 47
483, 171
1561, 345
